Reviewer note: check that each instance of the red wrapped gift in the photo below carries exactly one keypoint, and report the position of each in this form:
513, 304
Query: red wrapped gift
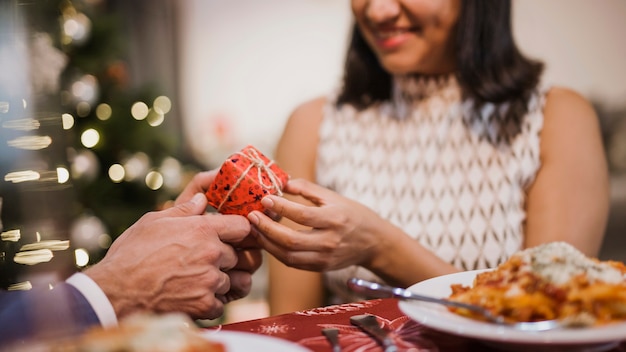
243, 180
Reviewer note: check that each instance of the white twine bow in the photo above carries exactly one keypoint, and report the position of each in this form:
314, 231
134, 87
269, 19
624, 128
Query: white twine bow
256, 161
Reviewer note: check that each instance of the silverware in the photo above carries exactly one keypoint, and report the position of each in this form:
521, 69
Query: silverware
332, 335
369, 324
374, 289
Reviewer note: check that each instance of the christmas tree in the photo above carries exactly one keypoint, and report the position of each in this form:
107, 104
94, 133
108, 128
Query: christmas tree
116, 139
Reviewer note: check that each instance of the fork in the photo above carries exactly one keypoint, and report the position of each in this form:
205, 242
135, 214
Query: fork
370, 325
332, 335
382, 291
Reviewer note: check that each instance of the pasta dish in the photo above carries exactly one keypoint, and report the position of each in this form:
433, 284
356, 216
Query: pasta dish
550, 281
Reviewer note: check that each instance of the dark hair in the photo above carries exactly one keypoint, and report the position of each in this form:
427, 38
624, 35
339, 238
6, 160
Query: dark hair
490, 67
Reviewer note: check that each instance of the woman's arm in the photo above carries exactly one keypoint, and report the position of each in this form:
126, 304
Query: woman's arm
293, 289
569, 200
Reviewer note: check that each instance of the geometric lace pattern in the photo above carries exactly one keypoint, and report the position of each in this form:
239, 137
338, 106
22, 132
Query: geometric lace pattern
451, 178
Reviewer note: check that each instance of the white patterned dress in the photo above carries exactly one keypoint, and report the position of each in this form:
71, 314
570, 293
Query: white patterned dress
451, 179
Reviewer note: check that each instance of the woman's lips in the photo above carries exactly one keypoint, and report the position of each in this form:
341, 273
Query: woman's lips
390, 39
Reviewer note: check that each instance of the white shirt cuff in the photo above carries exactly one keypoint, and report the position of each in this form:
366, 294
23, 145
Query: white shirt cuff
96, 298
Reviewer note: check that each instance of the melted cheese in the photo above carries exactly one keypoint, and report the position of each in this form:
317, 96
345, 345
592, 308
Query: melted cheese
559, 262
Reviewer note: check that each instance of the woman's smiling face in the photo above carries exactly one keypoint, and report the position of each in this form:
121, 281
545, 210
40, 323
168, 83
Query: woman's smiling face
410, 36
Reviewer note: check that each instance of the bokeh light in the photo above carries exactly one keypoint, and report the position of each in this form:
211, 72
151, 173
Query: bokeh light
171, 169
103, 111
154, 180
63, 175
90, 138
83, 109
139, 110
85, 232
22, 176
85, 89
76, 28
30, 142
82, 257
162, 104
85, 165
136, 166
155, 118
67, 121
116, 173
104, 241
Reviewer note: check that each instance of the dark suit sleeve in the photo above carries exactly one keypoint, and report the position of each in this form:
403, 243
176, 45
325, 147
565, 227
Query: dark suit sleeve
43, 314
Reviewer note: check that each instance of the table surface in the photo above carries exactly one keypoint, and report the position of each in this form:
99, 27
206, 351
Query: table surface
304, 328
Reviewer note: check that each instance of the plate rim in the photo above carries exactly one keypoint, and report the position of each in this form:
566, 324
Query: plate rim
439, 318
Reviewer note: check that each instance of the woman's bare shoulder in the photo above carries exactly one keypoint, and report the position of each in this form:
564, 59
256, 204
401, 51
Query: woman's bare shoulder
562, 102
297, 146
308, 113
569, 121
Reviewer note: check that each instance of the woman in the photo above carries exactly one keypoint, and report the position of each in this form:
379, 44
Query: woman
441, 152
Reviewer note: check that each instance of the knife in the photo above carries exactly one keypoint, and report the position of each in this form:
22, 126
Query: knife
369, 324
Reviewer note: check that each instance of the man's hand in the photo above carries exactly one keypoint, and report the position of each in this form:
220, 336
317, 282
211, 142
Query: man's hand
176, 260
248, 250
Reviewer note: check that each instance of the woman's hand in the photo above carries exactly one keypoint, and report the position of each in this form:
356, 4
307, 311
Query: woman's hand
340, 232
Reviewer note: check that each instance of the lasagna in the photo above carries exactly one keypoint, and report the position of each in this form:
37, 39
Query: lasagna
550, 281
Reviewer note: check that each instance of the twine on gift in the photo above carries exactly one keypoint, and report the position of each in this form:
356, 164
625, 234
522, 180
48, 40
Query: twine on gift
256, 161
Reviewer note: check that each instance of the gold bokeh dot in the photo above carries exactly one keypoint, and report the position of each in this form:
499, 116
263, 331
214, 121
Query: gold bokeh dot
154, 180
90, 138
117, 173
162, 104
139, 110
103, 112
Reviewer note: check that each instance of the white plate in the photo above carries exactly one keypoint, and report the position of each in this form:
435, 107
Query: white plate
440, 318
245, 342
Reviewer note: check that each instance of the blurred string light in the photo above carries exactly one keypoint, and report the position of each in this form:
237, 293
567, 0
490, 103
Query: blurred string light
154, 180
85, 165
68, 121
155, 119
155, 115
81, 256
39, 251
103, 112
83, 109
59, 175
30, 142
88, 232
136, 166
116, 173
75, 26
33, 257
27, 124
104, 241
90, 138
139, 110
21, 286
22, 176
53, 245
63, 175
11, 235
171, 170
85, 89
162, 104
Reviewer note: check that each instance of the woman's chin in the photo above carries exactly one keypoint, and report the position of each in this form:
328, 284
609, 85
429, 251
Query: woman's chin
404, 66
